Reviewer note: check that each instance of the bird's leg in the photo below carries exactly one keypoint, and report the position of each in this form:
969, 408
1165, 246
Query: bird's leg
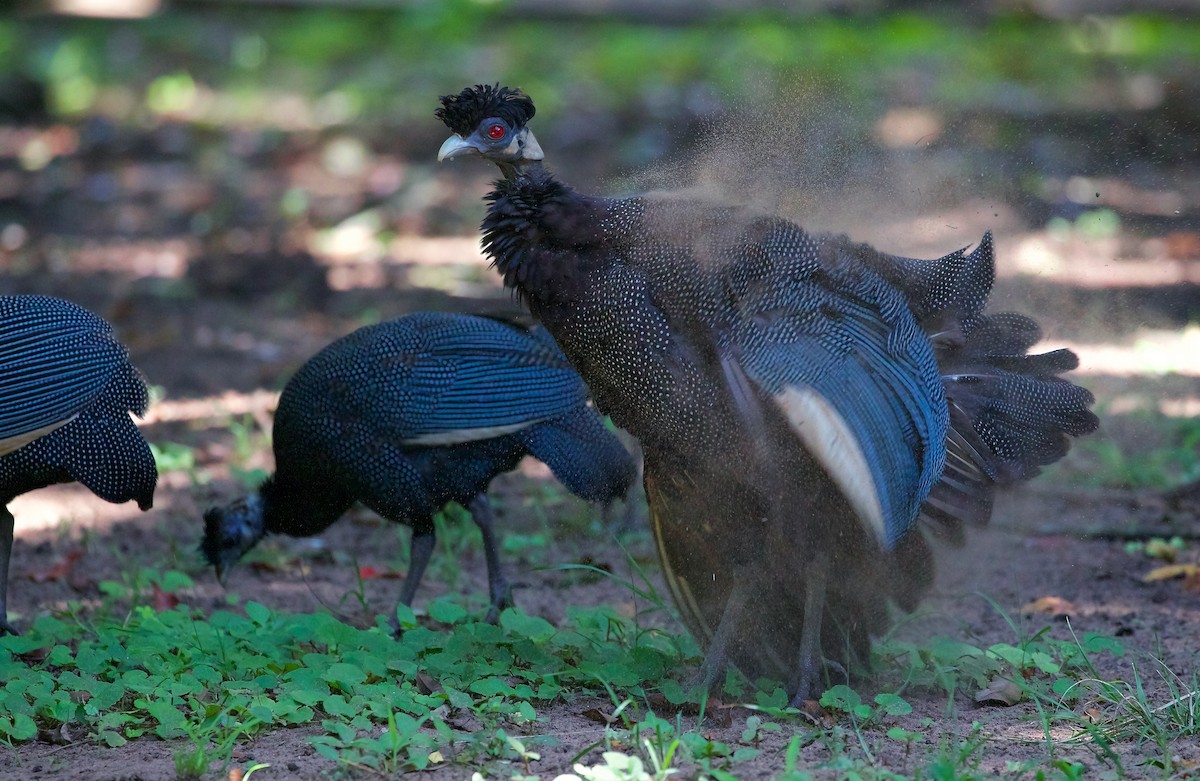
6, 541
716, 659
619, 523
420, 550
811, 660
499, 590
629, 515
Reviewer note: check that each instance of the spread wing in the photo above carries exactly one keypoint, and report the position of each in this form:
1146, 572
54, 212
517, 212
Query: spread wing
836, 351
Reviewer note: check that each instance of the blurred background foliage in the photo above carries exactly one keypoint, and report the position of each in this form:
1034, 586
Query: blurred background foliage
1039, 97
239, 182
317, 65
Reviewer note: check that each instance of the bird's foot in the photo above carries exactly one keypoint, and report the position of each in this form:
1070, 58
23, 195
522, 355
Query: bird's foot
809, 684
805, 694
813, 681
501, 595
711, 674
7, 628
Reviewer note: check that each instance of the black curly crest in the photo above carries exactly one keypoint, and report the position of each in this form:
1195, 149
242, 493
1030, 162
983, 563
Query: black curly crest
463, 112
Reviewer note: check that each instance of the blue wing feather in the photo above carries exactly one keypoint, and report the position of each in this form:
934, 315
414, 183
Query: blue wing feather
829, 325
55, 359
435, 375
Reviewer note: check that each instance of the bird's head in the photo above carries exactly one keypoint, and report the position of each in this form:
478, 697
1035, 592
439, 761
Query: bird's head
230, 531
490, 122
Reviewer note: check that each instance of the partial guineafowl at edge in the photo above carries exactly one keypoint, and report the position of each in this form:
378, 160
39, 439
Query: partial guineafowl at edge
411, 414
66, 391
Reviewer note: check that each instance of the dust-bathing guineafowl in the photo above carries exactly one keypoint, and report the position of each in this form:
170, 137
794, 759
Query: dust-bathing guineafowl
411, 414
801, 400
66, 390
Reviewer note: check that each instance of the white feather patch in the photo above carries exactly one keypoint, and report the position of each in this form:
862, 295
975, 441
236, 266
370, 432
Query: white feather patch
461, 435
830, 439
21, 440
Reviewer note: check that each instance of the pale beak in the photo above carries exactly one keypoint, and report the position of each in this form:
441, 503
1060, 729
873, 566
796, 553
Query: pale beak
456, 146
531, 149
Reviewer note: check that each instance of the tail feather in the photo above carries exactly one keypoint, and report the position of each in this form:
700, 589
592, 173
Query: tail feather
1004, 333
946, 295
1018, 406
1011, 412
964, 493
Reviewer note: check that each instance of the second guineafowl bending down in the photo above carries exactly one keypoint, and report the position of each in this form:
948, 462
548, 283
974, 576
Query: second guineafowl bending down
801, 400
411, 414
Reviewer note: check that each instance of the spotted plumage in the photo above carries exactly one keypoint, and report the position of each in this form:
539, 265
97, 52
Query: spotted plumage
409, 415
797, 397
67, 389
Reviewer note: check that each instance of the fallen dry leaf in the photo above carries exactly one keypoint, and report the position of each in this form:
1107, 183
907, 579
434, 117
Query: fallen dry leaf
1171, 571
57, 736
374, 573
427, 684
999, 691
161, 600
59, 570
1055, 606
598, 716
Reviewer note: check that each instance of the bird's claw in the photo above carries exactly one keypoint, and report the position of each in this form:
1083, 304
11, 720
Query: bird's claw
501, 595
812, 686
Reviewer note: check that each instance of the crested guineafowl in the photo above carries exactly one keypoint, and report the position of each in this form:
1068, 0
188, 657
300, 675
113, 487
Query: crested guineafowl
802, 401
411, 414
66, 390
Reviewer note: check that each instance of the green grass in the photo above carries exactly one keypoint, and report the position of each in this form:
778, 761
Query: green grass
1127, 711
363, 65
212, 681
1143, 449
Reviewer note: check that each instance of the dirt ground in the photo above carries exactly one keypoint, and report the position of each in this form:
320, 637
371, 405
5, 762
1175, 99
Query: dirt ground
1036, 547
220, 318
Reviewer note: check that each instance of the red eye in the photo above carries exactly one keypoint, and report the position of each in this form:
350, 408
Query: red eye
496, 132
